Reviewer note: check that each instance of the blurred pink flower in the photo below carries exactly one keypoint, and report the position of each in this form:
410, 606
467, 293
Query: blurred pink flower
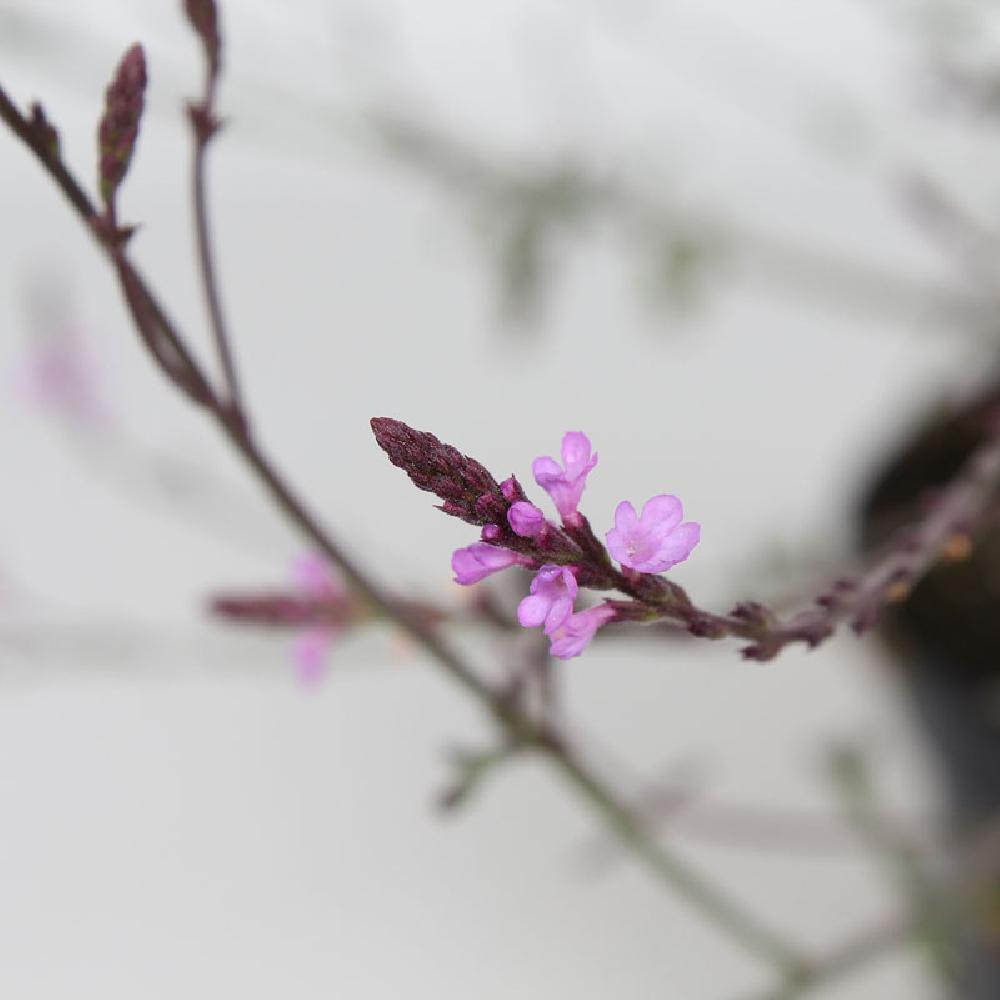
309, 653
59, 375
314, 579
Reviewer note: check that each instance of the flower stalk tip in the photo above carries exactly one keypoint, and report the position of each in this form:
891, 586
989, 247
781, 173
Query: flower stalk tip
467, 489
204, 18
119, 127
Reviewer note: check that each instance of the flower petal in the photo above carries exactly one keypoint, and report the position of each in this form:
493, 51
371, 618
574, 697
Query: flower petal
546, 470
625, 517
532, 610
677, 546
663, 512
561, 609
578, 630
309, 653
477, 561
575, 451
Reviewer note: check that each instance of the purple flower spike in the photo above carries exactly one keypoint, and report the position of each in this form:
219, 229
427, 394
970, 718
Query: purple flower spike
576, 632
526, 519
654, 541
565, 483
551, 601
477, 561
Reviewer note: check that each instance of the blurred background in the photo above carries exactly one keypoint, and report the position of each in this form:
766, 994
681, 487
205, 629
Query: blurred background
744, 247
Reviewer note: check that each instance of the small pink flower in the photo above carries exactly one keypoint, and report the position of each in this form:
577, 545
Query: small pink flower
315, 580
59, 375
477, 561
526, 519
654, 541
565, 483
574, 635
310, 654
551, 600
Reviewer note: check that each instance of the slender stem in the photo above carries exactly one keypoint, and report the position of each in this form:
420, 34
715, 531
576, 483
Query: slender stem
899, 855
53, 165
204, 127
668, 868
976, 874
514, 720
296, 511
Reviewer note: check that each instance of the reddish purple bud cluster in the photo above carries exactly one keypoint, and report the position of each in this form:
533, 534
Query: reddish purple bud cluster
467, 489
119, 128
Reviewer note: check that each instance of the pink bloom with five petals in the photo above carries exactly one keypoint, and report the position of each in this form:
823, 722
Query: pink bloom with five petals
551, 600
565, 483
655, 540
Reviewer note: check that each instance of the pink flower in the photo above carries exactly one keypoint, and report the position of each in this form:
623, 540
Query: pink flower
551, 600
59, 375
526, 519
310, 654
574, 635
565, 483
477, 561
656, 540
315, 580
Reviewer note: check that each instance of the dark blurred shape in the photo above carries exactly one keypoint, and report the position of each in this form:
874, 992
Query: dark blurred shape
952, 612
946, 640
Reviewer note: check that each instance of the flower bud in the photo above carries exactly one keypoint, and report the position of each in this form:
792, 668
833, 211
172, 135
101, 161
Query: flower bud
526, 519
204, 18
119, 127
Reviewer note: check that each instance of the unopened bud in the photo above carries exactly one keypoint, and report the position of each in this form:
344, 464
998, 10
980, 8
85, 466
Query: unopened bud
466, 487
44, 130
119, 128
204, 18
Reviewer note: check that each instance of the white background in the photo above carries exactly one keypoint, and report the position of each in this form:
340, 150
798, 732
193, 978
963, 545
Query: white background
178, 817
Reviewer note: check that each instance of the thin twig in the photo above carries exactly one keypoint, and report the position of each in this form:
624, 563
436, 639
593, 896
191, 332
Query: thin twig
898, 854
204, 126
981, 865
